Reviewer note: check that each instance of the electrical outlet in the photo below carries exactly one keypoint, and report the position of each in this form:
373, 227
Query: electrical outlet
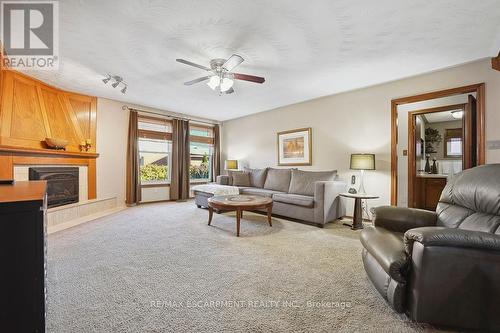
493, 144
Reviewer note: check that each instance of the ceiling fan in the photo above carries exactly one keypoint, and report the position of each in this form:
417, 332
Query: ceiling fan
220, 75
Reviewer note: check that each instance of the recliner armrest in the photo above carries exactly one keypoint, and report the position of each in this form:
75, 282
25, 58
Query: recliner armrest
401, 219
222, 180
440, 236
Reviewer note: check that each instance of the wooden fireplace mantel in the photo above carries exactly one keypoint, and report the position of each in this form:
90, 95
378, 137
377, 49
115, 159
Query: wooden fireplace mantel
12, 156
46, 152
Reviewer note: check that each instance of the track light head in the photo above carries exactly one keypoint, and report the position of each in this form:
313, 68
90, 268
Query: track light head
114, 85
106, 80
124, 90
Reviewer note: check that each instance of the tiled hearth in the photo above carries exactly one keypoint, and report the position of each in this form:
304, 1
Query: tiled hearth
63, 217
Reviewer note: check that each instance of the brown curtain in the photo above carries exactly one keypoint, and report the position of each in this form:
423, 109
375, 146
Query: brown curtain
133, 181
216, 158
179, 185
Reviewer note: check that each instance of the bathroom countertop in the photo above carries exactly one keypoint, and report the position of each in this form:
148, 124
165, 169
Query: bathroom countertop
431, 175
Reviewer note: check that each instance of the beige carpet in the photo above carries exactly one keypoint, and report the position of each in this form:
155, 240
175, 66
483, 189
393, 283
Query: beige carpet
161, 268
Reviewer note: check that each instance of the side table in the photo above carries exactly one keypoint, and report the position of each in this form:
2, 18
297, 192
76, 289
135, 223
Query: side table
357, 221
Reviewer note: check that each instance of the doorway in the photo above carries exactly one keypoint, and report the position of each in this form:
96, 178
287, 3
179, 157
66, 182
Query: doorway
405, 163
438, 148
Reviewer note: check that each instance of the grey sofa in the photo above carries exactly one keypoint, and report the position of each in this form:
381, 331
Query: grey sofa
311, 197
442, 267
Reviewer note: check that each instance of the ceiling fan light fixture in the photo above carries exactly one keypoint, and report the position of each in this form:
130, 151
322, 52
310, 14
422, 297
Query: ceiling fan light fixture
226, 84
213, 82
457, 114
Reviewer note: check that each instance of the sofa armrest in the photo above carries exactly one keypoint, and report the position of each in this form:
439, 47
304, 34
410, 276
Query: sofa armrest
440, 236
327, 205
401, 219
222, 180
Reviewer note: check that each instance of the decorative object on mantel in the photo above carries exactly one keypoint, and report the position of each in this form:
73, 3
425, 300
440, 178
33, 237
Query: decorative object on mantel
86, 145
117, 80
55, 143
295, 147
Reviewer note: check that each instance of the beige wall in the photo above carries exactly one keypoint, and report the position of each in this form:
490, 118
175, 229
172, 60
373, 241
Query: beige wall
112, 133
357, 121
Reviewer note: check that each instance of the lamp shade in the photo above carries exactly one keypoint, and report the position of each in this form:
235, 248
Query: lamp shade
362, 161
231, 165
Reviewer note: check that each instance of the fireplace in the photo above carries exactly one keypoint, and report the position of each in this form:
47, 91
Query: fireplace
62, 183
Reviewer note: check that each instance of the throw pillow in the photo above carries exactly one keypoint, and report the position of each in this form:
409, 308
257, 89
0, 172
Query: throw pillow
230, 174
257, 177
278, 179
241, 179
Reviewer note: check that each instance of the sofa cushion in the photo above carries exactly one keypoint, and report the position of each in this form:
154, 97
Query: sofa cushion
302, 182
278, 179
241, 179
387, 247
257, 177
230, 174
258, 191
295, 199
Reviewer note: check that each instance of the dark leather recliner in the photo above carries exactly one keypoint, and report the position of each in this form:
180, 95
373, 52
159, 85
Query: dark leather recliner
442, 268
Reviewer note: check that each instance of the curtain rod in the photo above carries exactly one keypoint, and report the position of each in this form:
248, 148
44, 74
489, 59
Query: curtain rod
125, 107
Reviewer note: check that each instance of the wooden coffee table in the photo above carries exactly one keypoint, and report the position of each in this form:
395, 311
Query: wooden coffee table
239, 203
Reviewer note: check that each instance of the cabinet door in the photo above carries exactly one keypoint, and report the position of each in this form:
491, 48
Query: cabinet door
433, 189
22, 305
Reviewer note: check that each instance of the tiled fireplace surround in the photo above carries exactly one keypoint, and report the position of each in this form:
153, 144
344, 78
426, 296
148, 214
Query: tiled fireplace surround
61, 217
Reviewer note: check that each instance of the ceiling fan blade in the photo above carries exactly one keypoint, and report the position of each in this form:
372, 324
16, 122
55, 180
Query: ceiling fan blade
229, 91
189, 63
232, 62
200, 79
251, 78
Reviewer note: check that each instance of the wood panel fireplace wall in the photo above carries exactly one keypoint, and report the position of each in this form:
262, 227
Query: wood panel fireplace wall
30, 112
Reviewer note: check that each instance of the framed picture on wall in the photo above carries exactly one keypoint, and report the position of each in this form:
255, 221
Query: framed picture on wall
295, 147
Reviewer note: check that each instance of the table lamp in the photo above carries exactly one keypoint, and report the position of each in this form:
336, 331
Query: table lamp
362, 162
231, 165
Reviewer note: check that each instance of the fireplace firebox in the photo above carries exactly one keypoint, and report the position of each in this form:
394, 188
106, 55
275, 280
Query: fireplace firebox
62, 184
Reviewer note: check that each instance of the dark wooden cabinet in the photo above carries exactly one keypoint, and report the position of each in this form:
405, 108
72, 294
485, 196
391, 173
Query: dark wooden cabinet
23, 256
428, 191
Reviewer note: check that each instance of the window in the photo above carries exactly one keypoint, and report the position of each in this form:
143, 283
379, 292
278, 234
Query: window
201, 151
155, 147
453, 140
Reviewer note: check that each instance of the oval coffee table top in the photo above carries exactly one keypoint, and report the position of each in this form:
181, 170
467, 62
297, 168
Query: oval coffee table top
240, 200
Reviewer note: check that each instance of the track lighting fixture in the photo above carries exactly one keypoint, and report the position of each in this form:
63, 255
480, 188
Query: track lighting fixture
117, 80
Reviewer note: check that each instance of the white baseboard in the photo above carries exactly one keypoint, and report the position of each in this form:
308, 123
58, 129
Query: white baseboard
75, 222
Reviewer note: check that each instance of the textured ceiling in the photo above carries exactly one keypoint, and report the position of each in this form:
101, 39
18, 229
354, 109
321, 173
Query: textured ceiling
439, 117
304, 49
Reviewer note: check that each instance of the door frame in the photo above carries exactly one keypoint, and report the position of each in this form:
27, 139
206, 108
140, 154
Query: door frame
478, 89
412, 162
